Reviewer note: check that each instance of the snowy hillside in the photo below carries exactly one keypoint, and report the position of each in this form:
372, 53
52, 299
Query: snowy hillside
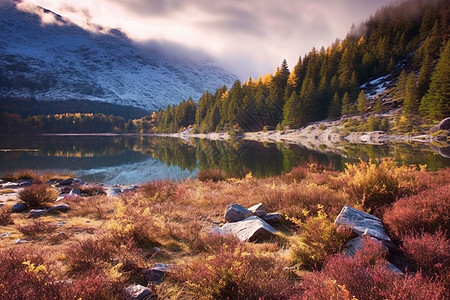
61, 61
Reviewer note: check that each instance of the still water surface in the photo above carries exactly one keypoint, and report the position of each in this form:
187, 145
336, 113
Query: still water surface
137, 159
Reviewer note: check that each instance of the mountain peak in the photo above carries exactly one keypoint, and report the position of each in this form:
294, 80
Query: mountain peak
47, 57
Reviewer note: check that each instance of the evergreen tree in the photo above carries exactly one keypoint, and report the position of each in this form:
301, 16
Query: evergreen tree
291, 111
347, 105
436, 103
363, 102
410, 105
334, 111
400, 87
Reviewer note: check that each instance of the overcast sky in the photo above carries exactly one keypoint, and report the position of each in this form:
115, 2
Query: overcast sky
247, 37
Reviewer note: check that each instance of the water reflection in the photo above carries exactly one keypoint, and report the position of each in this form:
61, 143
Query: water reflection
135, 159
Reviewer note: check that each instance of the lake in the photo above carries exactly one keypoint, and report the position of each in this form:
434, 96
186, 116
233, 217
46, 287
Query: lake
128, 159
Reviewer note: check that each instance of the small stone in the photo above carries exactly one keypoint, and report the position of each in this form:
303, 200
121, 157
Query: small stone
59, 224
36, 213
63, 207
258, 210
68, 181
130, 189
19, 207
25, 182
139, 292
5, 234
156, 274
20, 241
235, 213
74, 192
114, 192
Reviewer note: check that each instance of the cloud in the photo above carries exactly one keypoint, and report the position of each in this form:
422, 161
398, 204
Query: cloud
249, 37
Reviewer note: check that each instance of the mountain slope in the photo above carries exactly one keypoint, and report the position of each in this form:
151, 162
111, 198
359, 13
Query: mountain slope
61, 61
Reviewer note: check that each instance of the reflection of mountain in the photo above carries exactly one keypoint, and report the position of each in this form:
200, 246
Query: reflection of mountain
131, 173
133, 159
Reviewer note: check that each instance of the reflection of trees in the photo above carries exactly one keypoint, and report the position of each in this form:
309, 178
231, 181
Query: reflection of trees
234, 157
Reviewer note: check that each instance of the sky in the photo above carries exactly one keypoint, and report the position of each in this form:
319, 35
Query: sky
246, 37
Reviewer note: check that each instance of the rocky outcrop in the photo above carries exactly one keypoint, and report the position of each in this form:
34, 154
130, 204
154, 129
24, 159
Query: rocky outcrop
250, 229
364, 226
19, 207
443, 125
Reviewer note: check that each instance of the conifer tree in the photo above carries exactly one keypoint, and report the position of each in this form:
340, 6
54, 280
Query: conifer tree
363, 102
436, 103
334, 111
291, 111
347, 105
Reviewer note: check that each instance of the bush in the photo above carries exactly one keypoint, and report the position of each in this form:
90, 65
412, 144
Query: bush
91, 190
317, 240
20, 175
322, 126
427, 211
429, 253
298, 173
5, 216
158, 191
211, 175
36, 195
365, 276
372, 185
232, 273
36, 227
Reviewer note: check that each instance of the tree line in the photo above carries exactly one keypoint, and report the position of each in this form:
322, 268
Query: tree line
326, 83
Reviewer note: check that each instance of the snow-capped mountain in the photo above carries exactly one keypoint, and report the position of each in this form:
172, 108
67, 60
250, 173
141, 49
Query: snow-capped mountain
59, 60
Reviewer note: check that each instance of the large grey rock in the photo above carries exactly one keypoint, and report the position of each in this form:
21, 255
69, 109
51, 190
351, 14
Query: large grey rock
356, 244
361, 222
138, 292
273, 219
236, 213
36, 213
249, 230
258, 210
114, 192
19, 207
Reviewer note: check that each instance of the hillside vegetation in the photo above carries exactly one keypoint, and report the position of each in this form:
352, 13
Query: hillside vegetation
405, 47
103, 244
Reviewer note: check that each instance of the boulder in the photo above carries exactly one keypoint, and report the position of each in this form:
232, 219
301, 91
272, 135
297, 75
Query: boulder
361, 223
25, 182
36, 213
156, 274
138, 292
10, 185
273, 219
235, 213
19, 207
63, 207
249, 230
258, 210
355, 244
443, 125
130, 189
114, 192
71, 181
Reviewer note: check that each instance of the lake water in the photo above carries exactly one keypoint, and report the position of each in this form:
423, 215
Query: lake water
137, 159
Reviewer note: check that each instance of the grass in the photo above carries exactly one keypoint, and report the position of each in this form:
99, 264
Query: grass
102, 244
